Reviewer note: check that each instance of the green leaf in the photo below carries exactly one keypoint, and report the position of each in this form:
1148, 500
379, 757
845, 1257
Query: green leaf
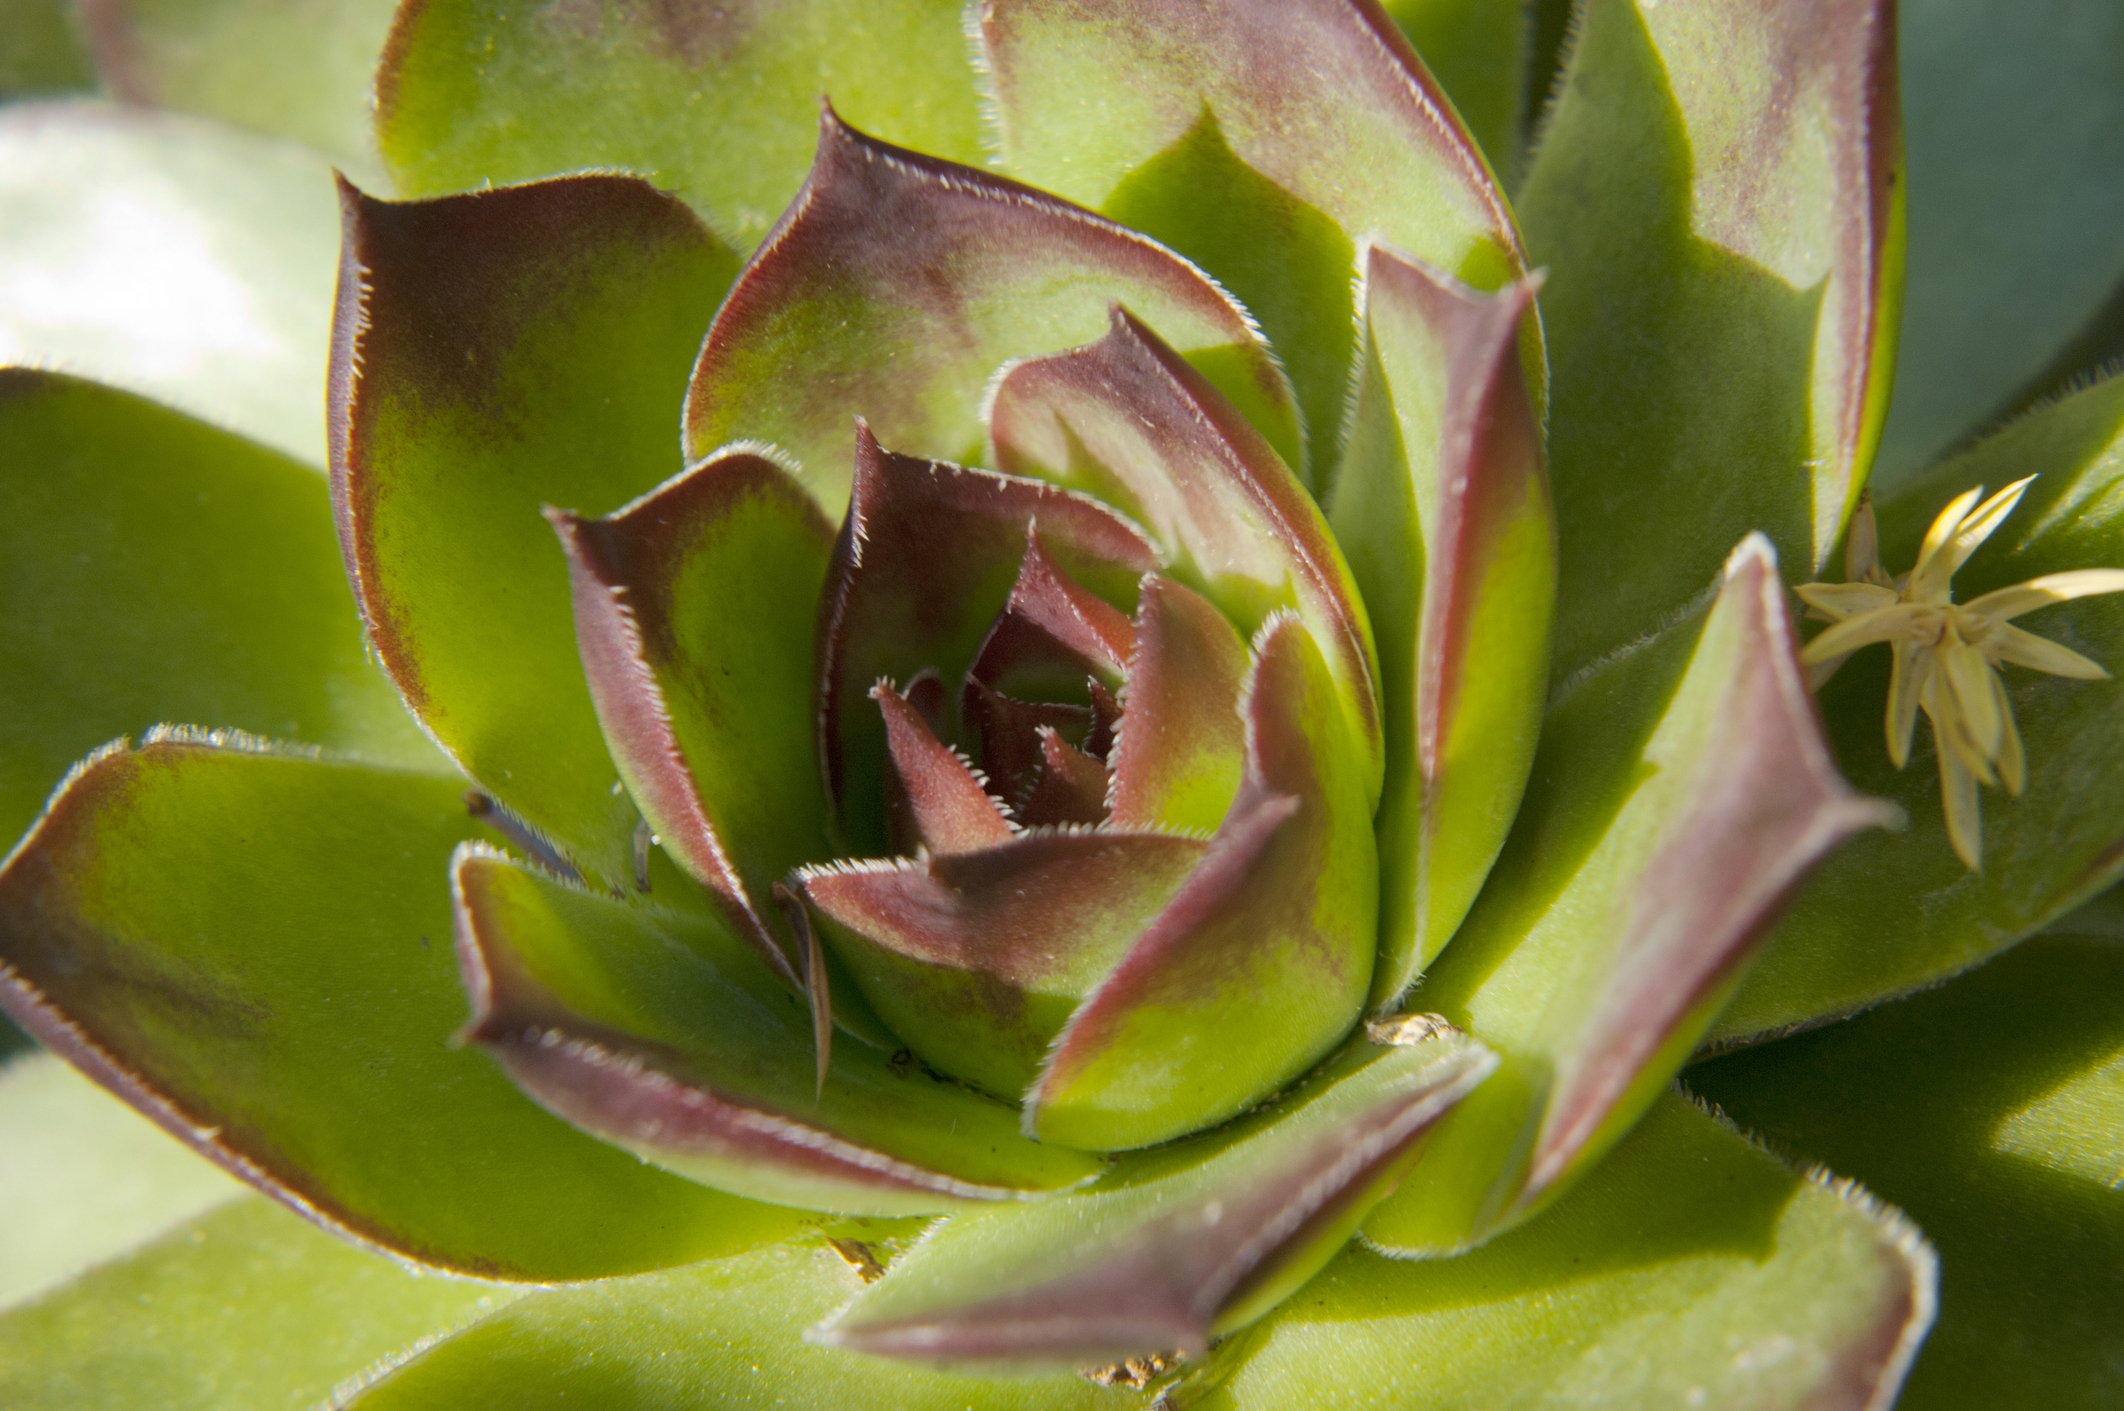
42, 52
87, 1179
1679, 794
1897, 912
1192, 1241
493, 352
1716, 202
722, 1334
898, 284
1991, 1109
2015, 114
1477, 50
254, 949
157, 569
1689, 1270
717, 102
172, 256
1443, 508
245, 1307
289, 68
665, 1033
1177, 120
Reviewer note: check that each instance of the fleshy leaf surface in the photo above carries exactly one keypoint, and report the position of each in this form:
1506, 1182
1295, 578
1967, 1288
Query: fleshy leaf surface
934, 799
716, 102
1443, 509
1173, 1247
1128, 421
1678, 797
157, 569
897, 284
245, 1306
1728, 173
927, 556
253, 949
1850, 940
1481, 53
1993, 1111
1180, 749
665, 1033
493, 352
173, 257
1261, 139
979, 957
694, 608
1259, 964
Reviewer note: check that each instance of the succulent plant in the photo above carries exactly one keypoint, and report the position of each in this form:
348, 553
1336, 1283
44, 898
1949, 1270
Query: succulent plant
1150, 804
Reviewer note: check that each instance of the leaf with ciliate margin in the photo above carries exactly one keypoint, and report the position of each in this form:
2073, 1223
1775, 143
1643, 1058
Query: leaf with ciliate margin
245, 1306
1679, 795
1992, 1110
2015, 118
493, 352
1443, 509
1259, 964
1898, 912
1478, 51
1261, 139
299, 69
253, 949
665, 1033
158, 569
897, 284
694, 609
172, 256
103, 1180
1727, 173
718, 102
1690, 1269
1174, 1247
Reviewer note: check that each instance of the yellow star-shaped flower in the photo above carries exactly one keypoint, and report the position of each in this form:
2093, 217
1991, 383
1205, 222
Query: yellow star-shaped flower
1947, 654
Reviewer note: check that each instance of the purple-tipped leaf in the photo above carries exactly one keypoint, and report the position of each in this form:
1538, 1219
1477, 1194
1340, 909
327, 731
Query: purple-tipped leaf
493, 352
925, 560
933, 798
1127, 420
664, 1033
1052, 634
1261, 961
1181, 745
895, 286
693, 612
1181, 1245
1072, 786
1443, 508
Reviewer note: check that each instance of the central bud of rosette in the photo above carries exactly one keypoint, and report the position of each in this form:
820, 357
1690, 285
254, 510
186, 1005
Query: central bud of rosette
1096, 733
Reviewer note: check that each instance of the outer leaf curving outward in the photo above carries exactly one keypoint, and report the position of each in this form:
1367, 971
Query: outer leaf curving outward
1443, 508
665, 1033
897, 284
491, 352
926, 558
1680, 794
692, 606
1127, 420
252, 948
1729, 172
1260, 963
1176, 1246
1264, 139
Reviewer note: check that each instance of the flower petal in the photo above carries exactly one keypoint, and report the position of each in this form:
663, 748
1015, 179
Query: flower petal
1443, 508
494, 351
897, 284
250, 946
1912, 668
2011, 644
1180, 748
1983, 521
693, 606
925, 560
1261, 961
979, 957
2003, 604
1842, 600
1263, 139
1914, 622
1127, 420
662, 1032
1183, 1245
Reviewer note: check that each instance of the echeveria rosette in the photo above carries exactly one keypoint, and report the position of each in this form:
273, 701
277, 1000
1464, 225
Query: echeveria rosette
1108, 800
